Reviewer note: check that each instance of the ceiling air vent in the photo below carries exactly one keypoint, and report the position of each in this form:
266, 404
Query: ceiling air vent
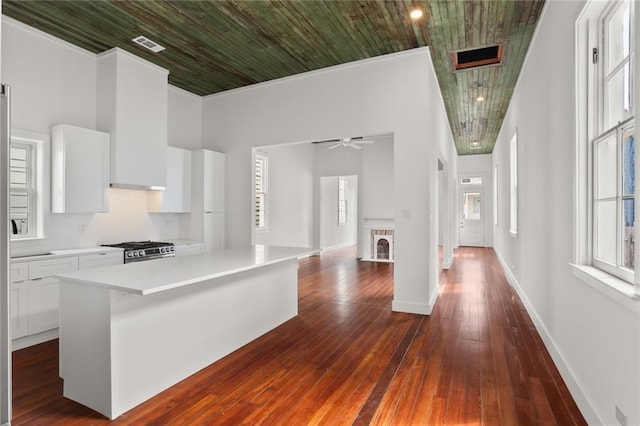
149, 44
465, 59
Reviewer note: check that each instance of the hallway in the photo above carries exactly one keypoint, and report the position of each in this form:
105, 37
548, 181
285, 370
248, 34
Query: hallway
346, 359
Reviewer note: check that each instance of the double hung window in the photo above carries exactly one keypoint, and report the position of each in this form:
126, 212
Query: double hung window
608, 107
26, 170
342, 200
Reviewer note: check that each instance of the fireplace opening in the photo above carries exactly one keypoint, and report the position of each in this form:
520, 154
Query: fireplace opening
382, 242
382, 249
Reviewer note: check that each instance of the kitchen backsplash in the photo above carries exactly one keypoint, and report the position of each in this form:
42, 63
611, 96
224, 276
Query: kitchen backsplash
127, 220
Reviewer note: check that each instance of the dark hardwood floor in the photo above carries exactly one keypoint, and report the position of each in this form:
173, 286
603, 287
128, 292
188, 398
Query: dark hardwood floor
347, 359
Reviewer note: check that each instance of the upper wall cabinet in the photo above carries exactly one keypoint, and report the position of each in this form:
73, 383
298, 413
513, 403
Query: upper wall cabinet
176, 198
79, 170
132, 106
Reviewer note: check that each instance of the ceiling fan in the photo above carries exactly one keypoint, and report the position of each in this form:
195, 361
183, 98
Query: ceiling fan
354, 143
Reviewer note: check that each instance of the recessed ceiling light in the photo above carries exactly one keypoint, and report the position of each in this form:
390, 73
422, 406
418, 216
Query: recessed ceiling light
416, 14
480, 98
475, 143
148, 44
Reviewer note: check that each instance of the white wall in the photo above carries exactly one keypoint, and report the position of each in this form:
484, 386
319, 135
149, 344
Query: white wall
55, 82
480, 165
184, 126
378, 179
332, 235
592, 333
52, 81
396, 94
290, 217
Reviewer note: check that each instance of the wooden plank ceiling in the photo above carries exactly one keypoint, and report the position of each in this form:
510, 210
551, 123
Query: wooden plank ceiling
212, 46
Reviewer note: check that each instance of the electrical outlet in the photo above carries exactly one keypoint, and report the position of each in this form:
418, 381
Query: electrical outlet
621, 417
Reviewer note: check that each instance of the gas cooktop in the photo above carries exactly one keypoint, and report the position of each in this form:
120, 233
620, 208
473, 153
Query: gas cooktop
135, 251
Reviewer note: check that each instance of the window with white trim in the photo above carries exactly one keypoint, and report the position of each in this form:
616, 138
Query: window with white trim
25, 185
342, 200
261, 186
606, 132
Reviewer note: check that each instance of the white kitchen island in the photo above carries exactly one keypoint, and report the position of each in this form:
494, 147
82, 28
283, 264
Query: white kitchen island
128, 332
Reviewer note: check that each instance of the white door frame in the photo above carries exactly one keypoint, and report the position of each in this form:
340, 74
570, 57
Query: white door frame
466, 189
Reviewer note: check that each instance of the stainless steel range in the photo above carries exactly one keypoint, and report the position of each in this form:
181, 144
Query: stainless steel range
136, 251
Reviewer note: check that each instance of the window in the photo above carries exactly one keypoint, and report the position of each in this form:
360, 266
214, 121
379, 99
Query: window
613, 147
606, 144
614, 201
513, 179
342, 200
261, 191
25, 184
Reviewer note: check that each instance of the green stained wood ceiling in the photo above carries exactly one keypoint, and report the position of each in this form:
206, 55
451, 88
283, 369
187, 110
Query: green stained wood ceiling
212, 46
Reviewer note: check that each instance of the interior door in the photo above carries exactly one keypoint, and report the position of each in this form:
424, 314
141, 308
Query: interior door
471, 217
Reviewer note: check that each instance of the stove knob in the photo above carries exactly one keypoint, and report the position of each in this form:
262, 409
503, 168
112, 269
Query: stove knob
163, 249
141, 253
135, 254
129, 254
172, 248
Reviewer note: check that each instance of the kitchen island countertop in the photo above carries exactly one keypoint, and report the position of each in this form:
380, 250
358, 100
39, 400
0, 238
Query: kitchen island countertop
159, 275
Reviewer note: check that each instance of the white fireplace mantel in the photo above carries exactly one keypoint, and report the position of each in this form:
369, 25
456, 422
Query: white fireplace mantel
373, 230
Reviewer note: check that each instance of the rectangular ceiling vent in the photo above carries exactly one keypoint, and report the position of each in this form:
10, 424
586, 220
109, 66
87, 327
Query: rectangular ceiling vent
149, 44
473, 58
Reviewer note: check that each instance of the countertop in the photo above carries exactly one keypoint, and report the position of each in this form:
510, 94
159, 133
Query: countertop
158, 275
53, 254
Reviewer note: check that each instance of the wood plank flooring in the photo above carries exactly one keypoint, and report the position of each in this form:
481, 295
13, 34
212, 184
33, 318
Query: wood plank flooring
347, 359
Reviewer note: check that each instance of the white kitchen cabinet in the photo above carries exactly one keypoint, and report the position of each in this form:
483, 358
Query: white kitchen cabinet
98, 260
79, 170
43, 304
186, 249
214, 163
34, 293
176, 198
132, 105
19, 309
208, 193
43, 298
48, 267
18, 297
214, 230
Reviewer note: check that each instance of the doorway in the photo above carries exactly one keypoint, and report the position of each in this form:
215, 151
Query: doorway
471, 217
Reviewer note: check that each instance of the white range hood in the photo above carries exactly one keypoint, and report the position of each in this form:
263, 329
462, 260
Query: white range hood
132, 107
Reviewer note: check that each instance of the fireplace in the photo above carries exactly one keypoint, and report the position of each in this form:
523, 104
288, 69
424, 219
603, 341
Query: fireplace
382, 242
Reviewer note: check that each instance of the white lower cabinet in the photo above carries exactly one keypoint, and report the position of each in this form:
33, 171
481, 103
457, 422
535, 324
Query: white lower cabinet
43, 304
43, 300
35, 294
185, 249
98, 260
18, 306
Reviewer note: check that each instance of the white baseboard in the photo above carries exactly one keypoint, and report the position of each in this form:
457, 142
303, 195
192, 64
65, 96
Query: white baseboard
446, 263
573, 383
26, 341
336, 247
411, 307
415, 308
